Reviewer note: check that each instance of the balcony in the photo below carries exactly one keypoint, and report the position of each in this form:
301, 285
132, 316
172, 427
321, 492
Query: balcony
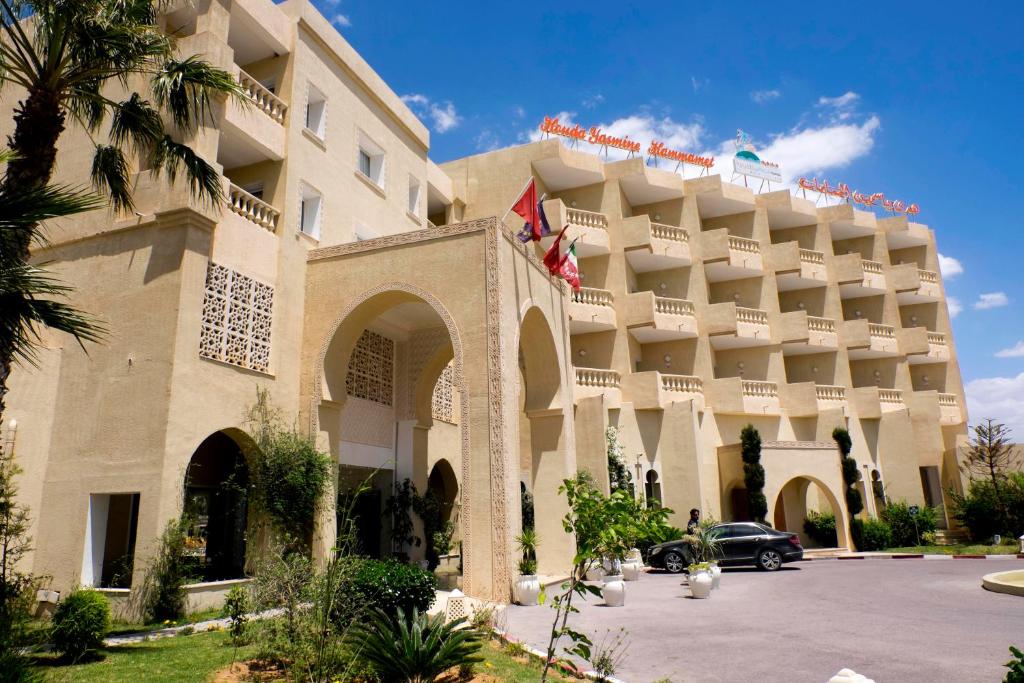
802, 334
718, 198
651, 318
913, 342
728, 257
591, 310
738, 396
858, 277
786, 210
846, 222
873, 402
244, 237
252, 209
653, 390
254, 133
900, 233
596, 382
807, 399
732, 327
915, 286
949, 410
653, 246
938, 350
866, 340
796, 268
588, 228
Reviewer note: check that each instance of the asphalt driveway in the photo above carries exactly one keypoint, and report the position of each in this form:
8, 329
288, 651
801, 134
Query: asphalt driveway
898, 621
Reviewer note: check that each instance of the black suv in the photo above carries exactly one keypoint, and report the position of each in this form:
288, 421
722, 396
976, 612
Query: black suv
741, 543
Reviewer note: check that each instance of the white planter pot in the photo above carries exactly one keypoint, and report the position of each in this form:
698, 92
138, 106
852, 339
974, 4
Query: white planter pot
634, 555
595, 574
614, 591
716, 575
631, 571
526, 589
700, 585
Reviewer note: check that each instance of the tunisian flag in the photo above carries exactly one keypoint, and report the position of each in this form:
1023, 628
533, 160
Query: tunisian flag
532, 212
566, 267
553, 256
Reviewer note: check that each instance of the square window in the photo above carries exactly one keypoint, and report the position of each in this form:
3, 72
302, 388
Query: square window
310, 210
370, 160
414, 196
316, 112
364, 163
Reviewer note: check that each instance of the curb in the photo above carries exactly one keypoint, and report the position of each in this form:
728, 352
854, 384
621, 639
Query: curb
563, 665
916, 556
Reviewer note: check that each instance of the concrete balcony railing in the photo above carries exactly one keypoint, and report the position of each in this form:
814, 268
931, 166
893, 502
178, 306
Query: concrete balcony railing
738, 396
802, 333
588, 228
913, 343
807, 399
651, 318
858, 277
653, 390
264, 100
598, 382
652, 246
949, 409
732, 326
591, 310
938, 350
865, 339
796, 268
728, 257
872, 402
915, 286
252, 208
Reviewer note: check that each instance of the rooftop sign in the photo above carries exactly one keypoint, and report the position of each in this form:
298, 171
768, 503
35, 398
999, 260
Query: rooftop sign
842, 191
747, 163
594, 136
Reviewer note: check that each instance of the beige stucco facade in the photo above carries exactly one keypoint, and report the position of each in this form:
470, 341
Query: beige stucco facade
392, 315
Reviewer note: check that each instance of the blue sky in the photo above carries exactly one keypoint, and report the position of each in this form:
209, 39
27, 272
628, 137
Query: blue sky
903, 98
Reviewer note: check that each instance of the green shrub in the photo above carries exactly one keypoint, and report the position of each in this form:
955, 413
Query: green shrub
1015, 666
902, 523
821, 527
236, 609
163, 593
81, 621
388, 585
870, 534
979, 512
753, 473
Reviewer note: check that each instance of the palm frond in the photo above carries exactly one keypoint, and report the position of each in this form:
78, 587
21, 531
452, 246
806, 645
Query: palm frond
110, 175
25, 210
136, 124
203, 179
185, 88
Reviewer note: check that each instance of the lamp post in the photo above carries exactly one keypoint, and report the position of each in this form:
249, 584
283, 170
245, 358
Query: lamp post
639, 474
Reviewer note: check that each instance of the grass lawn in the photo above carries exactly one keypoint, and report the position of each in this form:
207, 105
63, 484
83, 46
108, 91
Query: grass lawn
121, 628
194, 658
958, 549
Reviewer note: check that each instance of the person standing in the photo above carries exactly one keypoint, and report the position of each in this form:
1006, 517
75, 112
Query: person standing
694, 524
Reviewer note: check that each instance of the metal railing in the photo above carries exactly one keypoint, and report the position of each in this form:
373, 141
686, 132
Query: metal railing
252, 208
264, 100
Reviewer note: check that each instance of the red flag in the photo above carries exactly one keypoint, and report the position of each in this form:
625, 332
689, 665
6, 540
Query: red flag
526, 206
553, 256
569, 267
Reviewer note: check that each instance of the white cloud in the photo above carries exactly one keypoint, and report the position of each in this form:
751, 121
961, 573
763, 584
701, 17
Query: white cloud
486, 141
519, 112
1015, 351
341, 20
991, 300
641, 127
444, 116
840, 108
949, 267
954, 306
998, 398
699, 83
763, 96
593, 101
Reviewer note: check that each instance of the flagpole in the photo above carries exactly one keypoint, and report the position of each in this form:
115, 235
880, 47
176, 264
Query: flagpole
518, 197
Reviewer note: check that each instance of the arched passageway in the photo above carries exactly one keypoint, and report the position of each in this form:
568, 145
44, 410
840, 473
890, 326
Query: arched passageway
216, 508
797, 499
444, 486
652, 488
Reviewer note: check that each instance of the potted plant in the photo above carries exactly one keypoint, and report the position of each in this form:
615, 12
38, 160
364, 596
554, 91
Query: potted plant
699, 580
707, 548
527, 585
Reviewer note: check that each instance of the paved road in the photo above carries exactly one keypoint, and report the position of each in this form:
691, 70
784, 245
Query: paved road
896, 621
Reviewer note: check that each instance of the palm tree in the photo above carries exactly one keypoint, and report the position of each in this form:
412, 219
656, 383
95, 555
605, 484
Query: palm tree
69, 58
28, 294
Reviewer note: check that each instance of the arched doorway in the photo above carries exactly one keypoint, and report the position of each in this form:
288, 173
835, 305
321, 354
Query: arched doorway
443, 484
652, 488
799, 497
216, 508
735, 503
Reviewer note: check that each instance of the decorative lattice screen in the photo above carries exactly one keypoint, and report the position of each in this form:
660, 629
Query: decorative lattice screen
371, 369
237, 314
441, 402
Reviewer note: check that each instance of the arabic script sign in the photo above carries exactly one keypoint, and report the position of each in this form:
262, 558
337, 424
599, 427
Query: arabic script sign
842, 191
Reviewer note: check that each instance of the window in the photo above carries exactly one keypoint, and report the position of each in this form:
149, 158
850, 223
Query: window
316, 112
371, 369
255, 189
110, 530
310, 210
370, 160
414, 196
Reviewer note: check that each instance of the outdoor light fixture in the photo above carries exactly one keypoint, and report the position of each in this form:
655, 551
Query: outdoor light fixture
662, 286
857, 312
814, 369
573, 203
913, 319
668, 359
582, 353
800, 305
924, 378
657, 216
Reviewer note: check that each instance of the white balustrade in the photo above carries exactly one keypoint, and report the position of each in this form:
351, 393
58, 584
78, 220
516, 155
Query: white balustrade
890, 396
252, 208
948, 400
760, 389
884, 331
264, 100
811, 256
752, 316
671, 306
593, 377
929, 276
815, 324
873, 267
586, 219
937, 338
592, 296
826, 392
744, 244
686, 384
669, 232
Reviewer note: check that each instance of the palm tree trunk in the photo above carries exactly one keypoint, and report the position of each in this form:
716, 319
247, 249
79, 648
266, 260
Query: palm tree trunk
38, 124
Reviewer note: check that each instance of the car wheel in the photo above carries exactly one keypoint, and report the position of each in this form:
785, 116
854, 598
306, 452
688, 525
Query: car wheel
674, 562
769, 560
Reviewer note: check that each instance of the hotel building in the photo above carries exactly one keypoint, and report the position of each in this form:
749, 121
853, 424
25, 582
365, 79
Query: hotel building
389, 311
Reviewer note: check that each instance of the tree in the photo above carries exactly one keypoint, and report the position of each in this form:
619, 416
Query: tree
619, 478
63, 55
854, 501
989, 455
753, 472
17, 589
